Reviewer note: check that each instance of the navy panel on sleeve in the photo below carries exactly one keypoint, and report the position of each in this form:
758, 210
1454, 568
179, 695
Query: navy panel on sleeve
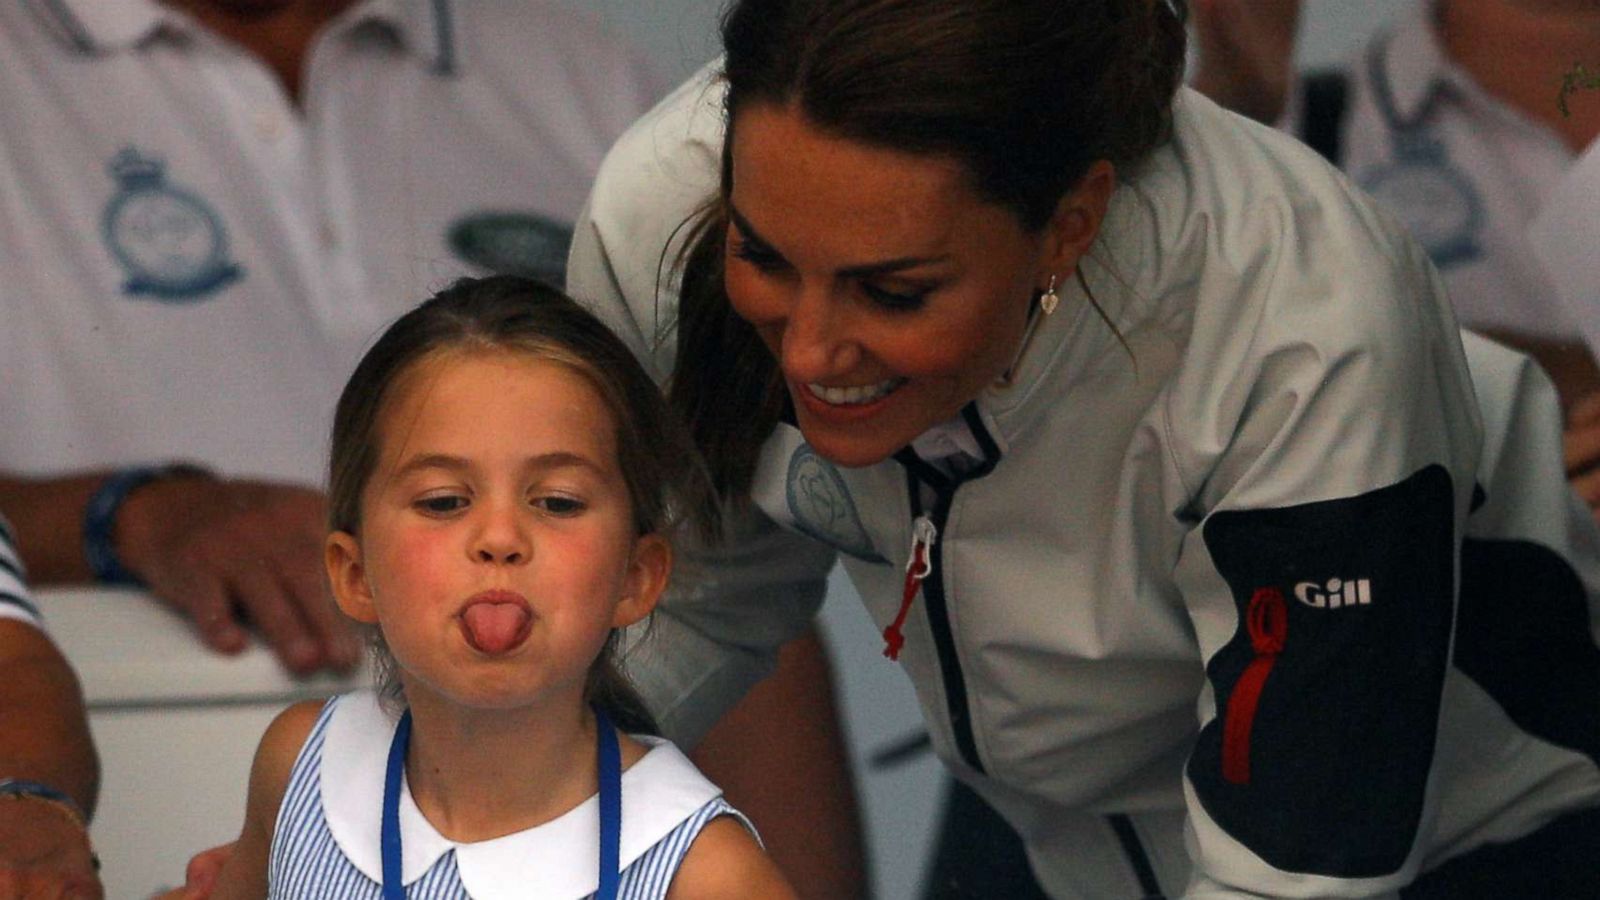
1328, 695
1522, 634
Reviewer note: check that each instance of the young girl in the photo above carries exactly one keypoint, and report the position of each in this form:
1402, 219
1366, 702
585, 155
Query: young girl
503, 479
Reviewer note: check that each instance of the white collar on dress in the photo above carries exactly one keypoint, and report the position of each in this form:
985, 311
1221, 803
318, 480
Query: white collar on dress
560, 858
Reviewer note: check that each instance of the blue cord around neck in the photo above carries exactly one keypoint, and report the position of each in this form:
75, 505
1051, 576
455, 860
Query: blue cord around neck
609, 754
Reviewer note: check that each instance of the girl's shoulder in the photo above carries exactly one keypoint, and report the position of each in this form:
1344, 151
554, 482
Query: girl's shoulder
281, 743
725, 860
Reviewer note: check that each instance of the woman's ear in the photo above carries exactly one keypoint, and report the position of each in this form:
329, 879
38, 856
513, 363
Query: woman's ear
348, 575
648, 571
1075, 224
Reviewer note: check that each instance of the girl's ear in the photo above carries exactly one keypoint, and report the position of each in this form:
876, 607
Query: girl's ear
348, 575
1075, 224
648, 570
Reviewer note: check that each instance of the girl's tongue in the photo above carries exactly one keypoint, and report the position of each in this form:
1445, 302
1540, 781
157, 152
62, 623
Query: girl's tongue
495, 628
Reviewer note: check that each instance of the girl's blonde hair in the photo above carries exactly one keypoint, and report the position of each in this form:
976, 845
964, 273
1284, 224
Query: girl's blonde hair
666, 482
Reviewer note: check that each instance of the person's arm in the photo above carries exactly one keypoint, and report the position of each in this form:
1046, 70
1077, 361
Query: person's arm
215, 549
244, 871
730, 609
1329, 435
45, 740
726, 862
1245, 54
780, 758
45, 749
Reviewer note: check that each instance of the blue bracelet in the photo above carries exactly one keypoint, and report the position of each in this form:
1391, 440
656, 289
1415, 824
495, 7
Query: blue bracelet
100, 517
21, 787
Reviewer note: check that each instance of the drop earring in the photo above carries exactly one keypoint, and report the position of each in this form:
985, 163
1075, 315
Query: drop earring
1049, 300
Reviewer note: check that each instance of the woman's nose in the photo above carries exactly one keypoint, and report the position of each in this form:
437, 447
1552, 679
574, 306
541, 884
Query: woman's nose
817, 339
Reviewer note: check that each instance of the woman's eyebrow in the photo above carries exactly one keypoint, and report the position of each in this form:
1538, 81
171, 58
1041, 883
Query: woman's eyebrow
863, 270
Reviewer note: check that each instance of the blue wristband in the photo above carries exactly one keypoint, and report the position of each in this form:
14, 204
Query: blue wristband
20, 787
100, 517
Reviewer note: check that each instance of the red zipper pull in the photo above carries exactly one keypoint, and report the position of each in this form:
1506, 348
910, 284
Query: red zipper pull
1267, 621
923, 534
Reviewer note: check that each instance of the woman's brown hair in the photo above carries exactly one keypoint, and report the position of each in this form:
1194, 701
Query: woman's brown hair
1024, 94
666, 482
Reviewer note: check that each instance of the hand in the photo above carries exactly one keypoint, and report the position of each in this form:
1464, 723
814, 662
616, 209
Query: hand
214, 548
201, 878
1246, 50
44, 854
1581, 444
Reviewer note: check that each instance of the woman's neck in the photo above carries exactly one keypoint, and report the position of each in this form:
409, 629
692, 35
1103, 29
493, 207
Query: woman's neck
1519, 52
482, 774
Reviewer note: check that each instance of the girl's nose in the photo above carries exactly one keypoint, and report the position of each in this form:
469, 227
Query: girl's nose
817, 339
502, 538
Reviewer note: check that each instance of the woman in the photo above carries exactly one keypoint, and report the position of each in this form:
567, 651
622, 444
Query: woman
1149, 444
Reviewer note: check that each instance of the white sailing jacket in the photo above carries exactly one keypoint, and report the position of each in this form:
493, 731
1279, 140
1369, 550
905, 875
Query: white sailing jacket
1189, 624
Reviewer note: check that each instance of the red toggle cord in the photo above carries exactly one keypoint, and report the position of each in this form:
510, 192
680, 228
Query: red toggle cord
923, 534
1267, 621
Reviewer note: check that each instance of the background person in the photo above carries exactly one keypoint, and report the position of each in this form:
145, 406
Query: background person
49, 773
1451, 118
1122, 383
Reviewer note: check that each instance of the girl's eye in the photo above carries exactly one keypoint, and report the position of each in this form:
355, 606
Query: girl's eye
559, 506
895, 301
441, 505
761, 256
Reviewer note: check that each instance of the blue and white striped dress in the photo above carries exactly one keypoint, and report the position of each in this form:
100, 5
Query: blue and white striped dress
15, 600
326, 841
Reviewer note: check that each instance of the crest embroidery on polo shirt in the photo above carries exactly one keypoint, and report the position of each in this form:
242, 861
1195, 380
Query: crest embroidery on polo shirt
822, 508
169, 241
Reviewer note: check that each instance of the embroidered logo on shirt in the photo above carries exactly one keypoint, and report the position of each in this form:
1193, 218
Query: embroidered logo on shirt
822, 508
168, 240
1435, 202
513, 243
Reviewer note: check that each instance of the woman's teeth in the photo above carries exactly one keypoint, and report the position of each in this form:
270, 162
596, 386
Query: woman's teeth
856, 395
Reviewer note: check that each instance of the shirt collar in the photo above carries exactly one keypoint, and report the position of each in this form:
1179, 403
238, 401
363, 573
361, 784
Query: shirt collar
562, 856
424, 27
1415, 64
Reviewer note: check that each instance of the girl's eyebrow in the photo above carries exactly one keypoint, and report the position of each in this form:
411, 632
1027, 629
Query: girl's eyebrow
556, 459
865, 270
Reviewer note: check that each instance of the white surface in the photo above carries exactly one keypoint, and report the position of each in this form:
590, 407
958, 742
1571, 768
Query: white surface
176, 726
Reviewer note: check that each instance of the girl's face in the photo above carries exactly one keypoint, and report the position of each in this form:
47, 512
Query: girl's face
890, 293
497, 546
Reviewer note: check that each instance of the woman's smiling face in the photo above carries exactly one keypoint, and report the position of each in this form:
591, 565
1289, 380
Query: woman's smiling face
890, 293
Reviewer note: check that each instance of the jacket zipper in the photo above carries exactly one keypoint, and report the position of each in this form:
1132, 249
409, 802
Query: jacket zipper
932, 584
1267, 623
924, 534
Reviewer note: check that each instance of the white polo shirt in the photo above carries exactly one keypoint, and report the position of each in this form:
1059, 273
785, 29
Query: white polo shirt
191, 264
1463, 170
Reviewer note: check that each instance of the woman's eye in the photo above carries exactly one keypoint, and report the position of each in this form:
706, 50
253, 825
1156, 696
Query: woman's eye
559, 506
898, 301
759, 255
441, 505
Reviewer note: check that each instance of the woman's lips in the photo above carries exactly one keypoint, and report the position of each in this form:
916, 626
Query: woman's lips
496, 622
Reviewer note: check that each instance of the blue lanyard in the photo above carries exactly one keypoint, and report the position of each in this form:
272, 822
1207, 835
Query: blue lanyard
610, 758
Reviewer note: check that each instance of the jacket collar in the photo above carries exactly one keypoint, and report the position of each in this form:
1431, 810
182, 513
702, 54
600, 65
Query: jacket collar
561, 856
424, 27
